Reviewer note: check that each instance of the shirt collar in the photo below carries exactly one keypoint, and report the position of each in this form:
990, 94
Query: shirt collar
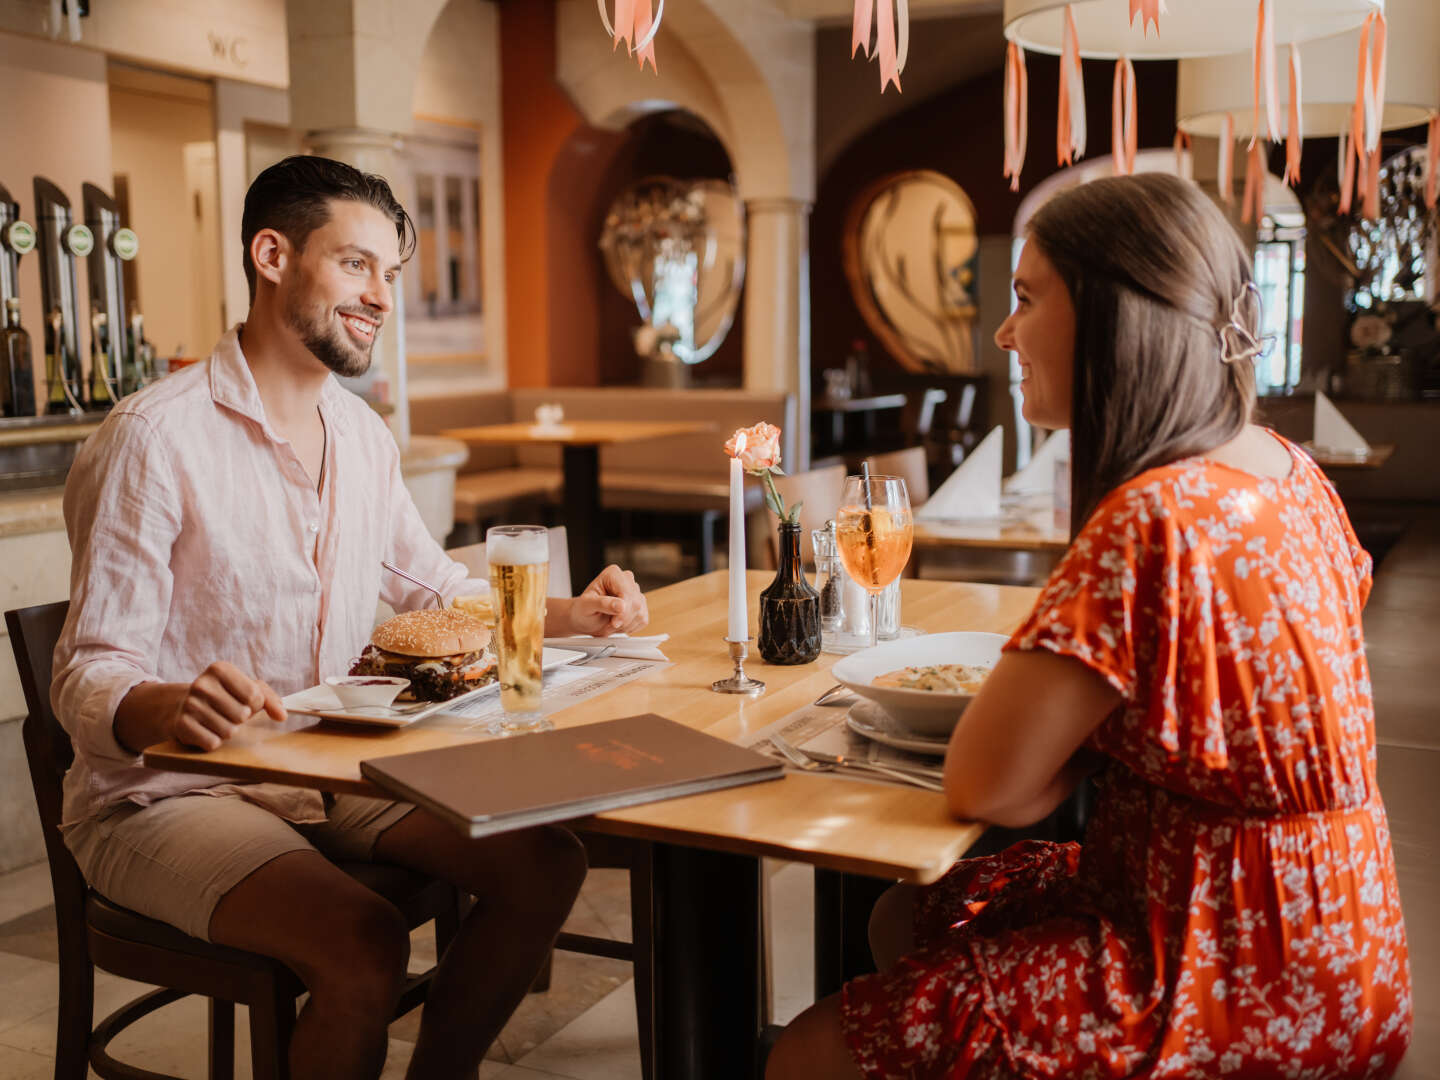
233, 385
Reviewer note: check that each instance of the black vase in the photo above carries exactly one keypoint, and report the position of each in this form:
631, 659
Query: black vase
789, 608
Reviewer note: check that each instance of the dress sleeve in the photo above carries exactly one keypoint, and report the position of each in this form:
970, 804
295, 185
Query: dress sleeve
1090, 608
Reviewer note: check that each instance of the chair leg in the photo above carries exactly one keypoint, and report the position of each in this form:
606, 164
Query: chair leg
271, 1022
72, 1028
641, 928
542, 977
222, 1039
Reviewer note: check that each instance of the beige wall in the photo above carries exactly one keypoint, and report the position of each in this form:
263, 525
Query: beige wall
163, 140
59, 96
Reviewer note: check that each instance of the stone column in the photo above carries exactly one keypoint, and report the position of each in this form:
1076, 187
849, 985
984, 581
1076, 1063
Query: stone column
777, 311
378, 152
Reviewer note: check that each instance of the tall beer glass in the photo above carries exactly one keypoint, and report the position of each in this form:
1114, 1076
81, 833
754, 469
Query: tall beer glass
519, 558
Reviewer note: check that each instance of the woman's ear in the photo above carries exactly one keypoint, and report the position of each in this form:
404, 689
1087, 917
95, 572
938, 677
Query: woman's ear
269, 251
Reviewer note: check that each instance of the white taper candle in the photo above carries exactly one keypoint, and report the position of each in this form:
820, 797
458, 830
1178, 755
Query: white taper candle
739, 617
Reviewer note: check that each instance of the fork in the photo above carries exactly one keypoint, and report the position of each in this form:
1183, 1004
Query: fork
801, 759
591, 655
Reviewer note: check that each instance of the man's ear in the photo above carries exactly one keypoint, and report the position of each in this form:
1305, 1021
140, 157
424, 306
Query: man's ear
270, 251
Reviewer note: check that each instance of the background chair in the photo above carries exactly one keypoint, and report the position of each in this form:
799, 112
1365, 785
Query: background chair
472, 557
820, 489
908, 464
93, 932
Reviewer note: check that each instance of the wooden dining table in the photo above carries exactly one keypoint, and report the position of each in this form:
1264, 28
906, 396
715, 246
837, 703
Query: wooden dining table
706, 848
580, 442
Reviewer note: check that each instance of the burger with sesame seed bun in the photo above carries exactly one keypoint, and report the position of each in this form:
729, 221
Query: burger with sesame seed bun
444, 653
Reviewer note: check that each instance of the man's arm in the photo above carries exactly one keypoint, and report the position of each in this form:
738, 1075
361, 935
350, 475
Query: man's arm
204, 713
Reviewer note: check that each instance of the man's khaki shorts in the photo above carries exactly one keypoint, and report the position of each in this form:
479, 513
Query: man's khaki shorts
174, 859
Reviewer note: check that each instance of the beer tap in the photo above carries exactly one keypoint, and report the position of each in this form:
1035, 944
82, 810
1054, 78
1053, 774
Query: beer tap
60, 242
113, 368
17, 381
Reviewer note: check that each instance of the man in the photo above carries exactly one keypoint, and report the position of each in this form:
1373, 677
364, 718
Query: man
227, 526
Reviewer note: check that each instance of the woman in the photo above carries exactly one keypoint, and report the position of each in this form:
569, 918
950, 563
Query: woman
1233, 910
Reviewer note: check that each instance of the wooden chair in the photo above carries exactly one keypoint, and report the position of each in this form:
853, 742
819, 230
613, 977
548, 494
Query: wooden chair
821, 490
604, 852
94, 933
911, 466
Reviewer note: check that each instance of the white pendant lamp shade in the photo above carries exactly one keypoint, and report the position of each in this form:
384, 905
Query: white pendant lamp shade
1189, 28
1213, 87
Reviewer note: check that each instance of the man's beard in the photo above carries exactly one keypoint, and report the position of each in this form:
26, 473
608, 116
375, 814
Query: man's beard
327, 343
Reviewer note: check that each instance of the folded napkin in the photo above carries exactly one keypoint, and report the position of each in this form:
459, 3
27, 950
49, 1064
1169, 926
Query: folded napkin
1333, 432
972, 490
627, 647
1038, 477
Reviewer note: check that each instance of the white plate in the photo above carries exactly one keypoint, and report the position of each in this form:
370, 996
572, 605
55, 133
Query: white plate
924, 712
321, 700
869, 719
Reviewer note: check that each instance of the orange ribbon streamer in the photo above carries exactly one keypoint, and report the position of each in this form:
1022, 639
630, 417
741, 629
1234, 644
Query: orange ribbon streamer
1293, 133
1122, 120
1371, 209
1347, 173
1265, 74
1071, 134
1362, 164
635, 25
1182, 147
1017, 107
1149, 11
1225, 179
1432, 163
891, 19
1252, 202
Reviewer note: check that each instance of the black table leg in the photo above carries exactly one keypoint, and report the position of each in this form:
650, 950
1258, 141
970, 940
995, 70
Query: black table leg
581, 466
707, 964
842, 924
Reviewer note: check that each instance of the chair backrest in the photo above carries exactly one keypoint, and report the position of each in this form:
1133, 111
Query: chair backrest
911, 466
33, 634
472, 556
820, 489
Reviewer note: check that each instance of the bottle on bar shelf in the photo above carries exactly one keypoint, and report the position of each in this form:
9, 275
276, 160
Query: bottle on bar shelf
60, 397
102, 395
17, 374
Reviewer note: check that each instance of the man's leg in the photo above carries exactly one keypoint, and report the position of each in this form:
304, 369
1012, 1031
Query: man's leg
348, 945
524, 884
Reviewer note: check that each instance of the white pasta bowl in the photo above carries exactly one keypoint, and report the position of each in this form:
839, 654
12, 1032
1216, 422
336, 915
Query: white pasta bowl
928, 712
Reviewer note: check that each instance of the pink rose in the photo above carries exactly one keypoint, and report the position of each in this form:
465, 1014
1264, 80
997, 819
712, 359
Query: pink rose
762, 447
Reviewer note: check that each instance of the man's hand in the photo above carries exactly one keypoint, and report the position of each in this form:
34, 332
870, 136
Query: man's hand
611, 604
203, 714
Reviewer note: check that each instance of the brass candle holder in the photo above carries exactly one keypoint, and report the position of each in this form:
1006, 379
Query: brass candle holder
739, 682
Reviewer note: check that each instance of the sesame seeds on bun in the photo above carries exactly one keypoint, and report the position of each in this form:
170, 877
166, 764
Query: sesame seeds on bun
431, 633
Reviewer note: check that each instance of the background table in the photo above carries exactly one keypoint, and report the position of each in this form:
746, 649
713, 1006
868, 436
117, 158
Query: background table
579, 442
705, 865
866, 407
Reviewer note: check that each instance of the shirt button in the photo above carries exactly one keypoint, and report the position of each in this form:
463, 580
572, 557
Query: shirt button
313, 527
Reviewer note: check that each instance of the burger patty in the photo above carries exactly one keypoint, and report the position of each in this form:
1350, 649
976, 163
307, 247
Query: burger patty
435, 678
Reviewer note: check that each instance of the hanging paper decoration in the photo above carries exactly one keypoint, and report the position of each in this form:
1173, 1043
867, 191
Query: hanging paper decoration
1294, 136
1071, 134
1017, 106
1265, 74
1346, 167
1252, 201
1432, 163
1225, 177
891, 20
1362, 173
1150, 12
1372, 77
1122, 122
636, 26
1371, 209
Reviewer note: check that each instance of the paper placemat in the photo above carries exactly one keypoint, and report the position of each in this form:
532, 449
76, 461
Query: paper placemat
564, 686
823, 728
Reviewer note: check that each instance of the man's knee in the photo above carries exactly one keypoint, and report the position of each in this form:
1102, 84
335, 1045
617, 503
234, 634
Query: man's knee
549, 867
363, 954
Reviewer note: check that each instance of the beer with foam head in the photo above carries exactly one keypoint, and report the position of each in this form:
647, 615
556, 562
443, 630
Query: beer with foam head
519, 558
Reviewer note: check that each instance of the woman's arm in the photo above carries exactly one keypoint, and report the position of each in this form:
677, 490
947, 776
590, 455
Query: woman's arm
1016, 752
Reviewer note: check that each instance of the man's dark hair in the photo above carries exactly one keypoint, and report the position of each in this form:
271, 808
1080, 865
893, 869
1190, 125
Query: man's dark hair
293, 196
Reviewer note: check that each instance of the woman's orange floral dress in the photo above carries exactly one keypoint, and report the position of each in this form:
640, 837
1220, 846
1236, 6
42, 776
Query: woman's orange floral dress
1233, 911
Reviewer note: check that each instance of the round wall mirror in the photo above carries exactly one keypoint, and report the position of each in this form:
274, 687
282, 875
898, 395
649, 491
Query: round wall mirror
910, 252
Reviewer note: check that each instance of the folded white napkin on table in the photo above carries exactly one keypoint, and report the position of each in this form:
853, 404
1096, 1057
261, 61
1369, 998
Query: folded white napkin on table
1038, 477
1333, 432
627, 647
972, 490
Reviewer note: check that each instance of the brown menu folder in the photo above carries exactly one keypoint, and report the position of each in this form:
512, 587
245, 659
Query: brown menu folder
502, 784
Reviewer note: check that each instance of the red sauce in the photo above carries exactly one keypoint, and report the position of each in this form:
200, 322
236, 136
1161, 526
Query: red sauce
369, 682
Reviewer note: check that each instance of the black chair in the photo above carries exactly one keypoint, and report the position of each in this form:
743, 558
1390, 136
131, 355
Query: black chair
93, 932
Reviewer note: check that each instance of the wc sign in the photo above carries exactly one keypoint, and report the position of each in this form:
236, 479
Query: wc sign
229, 49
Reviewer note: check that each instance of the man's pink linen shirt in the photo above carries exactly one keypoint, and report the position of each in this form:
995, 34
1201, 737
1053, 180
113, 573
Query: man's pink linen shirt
198, 536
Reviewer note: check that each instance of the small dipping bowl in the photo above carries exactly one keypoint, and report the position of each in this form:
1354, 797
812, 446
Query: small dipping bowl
360, 691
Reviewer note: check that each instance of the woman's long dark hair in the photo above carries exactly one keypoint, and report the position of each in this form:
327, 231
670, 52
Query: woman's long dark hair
1155, 272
